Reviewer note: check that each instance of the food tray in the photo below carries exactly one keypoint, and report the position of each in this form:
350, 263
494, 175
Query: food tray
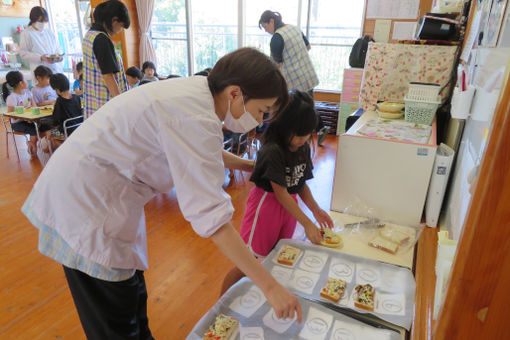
245, 302
394, 286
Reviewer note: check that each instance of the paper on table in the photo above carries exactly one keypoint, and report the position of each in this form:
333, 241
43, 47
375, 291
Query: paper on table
277, 325
251, 333
344, 331
366, 273
317, 325
403, 30
342, 269
248, 303
282, 275
313, 261
304, 281
390, 304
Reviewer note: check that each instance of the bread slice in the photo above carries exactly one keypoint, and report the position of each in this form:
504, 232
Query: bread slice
394, 235
384, 244
223, 328
364, 297
288, 255
334, 289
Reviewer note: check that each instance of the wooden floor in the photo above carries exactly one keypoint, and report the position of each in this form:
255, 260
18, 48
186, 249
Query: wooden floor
185, 272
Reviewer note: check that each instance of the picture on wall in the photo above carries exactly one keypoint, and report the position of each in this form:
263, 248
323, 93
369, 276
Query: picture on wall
17, 8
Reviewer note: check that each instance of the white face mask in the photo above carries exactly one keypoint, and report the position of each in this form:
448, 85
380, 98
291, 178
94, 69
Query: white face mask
242, 124
39, 25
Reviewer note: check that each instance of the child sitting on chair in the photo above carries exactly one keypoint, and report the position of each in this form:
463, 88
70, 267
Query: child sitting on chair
42, 92
15, 93
133, 76
68, 105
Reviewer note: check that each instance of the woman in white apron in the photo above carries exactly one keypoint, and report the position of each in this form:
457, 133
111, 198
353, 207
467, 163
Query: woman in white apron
88, 201
37, 42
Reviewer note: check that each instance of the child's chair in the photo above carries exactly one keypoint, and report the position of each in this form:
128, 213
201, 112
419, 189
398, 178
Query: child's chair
8, 130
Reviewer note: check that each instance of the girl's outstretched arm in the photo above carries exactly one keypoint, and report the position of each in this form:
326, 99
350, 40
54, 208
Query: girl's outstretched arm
320, 215
284, 198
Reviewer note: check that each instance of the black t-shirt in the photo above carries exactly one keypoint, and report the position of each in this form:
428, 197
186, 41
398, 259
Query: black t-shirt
104, 51
277, 44
286, 168
65, 109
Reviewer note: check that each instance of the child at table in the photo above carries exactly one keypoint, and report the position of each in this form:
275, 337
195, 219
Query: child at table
134, 76
68, 105
42, 92
149, 71
282, 168
15, 93
78, 79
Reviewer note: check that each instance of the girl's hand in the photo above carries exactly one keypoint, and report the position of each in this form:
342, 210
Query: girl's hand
313, 233
323, 219
284, 303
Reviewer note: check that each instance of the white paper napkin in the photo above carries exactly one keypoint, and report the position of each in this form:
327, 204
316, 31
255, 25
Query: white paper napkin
304, 281
390, 304
248, 303
344, 331
313, 261
393, 280
366, 273
282, 275
317, 325
251, 333
277, 325
342, 269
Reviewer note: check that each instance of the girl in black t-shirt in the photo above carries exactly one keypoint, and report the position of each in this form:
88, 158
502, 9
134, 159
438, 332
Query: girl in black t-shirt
283, 166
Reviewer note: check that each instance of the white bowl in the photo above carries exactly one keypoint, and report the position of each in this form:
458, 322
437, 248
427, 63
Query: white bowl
391, 107
390, 115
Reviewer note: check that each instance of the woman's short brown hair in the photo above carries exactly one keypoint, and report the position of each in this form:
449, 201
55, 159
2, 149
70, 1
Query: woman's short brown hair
254, 72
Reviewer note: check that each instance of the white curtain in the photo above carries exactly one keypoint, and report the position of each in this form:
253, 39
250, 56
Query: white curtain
144, 9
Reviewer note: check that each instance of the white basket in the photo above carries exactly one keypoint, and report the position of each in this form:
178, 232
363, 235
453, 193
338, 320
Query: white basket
423, 92
421, 111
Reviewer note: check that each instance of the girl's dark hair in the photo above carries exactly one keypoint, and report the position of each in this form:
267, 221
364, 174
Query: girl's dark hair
253, 71
268, 15
59, 82
79, 66
36, 13
134, 72
13, 78
149, 64
298, 119
43, 71
106, 11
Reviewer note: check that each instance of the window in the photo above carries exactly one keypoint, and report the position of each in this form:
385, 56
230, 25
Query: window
169, 36
65, 24
257, 37
332, 27
214, 31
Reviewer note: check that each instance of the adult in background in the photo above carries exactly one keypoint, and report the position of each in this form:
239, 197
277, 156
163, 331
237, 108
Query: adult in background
37, 42
289, 49
88, 203
104, 76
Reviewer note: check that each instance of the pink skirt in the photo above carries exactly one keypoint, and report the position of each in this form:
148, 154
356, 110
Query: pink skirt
265, 222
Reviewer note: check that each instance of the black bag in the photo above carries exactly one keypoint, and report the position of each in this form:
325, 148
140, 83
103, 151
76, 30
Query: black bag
359, 52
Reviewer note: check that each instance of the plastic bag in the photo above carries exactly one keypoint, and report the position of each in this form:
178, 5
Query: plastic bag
361, 222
